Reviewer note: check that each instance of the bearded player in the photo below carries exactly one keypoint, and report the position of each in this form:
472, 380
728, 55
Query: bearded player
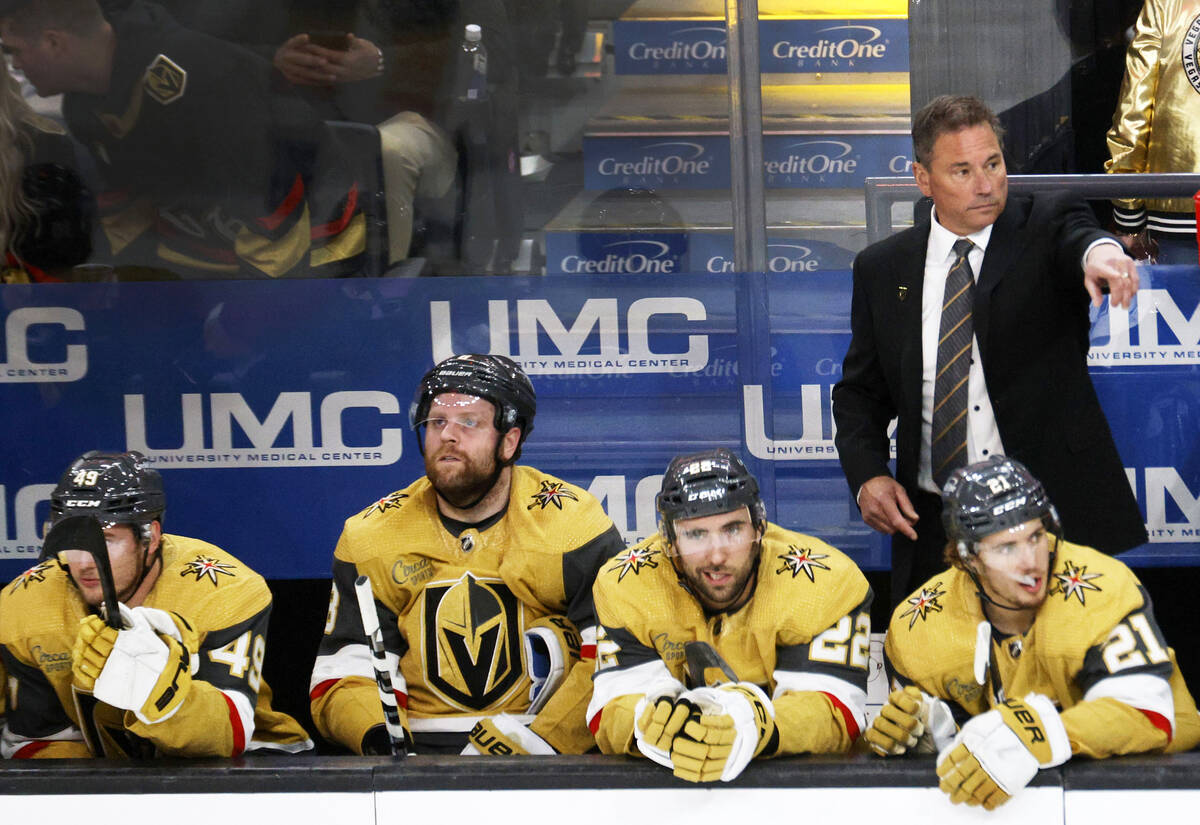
482, 572
788, 614
181, 677
1028, 651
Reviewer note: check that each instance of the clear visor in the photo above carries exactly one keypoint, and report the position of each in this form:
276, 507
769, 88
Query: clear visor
692, 537
457, 410
1030, 535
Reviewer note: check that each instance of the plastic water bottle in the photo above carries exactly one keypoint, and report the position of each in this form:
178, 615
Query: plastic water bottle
474, 62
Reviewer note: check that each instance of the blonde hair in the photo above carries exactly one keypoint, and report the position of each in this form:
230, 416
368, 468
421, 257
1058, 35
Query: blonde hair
16, 145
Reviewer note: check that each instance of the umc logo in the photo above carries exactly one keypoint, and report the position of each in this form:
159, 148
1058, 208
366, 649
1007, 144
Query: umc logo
27, 542
289, 420
19, 331
611, 492
599, 319
1163, 484
815, 441
1159, 332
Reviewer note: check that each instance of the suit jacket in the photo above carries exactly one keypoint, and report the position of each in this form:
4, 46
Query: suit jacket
1031, 322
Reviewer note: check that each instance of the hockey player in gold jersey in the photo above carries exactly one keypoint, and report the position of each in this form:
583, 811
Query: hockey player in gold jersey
183, 674
482, 572
788, 613
1029, 650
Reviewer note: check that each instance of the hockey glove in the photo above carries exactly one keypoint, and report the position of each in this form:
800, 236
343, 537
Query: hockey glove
551, 648
736, 724
503, 735
655, 723
911, 719
998, 752
146, 668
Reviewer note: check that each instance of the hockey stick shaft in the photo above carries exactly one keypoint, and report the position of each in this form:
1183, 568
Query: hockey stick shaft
703, 660
383, 676
85, 533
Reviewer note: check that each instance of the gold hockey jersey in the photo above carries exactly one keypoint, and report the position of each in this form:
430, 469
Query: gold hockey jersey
1156, 127
1094, 649
454, 610
228, 710
803, 637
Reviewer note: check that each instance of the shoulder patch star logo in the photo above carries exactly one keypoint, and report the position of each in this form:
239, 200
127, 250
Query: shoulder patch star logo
924, 603
552, 492
388, 502
801, 560
202, 566
37, 573
632, 561
1074, 580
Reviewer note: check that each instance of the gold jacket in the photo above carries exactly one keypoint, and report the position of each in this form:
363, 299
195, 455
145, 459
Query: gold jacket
1156, 127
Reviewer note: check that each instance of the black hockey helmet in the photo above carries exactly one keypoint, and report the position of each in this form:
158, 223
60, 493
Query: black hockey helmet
113, 488
996, 494
494, 378
705, 484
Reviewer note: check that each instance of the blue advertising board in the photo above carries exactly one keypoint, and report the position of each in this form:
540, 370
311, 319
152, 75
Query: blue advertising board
277, 410
656, 251
814, 45
790, 161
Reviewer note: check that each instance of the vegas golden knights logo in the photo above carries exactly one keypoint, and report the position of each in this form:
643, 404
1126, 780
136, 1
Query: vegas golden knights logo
472, 634
165, 80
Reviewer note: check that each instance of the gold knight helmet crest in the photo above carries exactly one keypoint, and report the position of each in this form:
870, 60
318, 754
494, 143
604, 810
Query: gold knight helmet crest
165, 80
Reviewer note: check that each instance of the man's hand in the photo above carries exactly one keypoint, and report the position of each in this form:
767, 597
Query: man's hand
885, 507
301, 63
361, 61
734, 723
1108, 265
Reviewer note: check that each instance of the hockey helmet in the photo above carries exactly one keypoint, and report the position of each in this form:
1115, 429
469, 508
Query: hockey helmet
705, 484
113, 488
494, 378
996, 494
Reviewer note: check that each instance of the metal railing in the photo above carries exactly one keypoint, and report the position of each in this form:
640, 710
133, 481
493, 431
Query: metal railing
882, 193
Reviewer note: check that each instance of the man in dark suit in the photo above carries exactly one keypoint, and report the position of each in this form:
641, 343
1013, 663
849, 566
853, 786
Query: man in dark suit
1016, 382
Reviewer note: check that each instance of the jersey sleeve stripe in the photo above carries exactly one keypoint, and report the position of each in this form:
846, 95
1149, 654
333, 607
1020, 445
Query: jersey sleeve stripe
294, 197
339, 223
235, 724
1148, 693
848, 698
1161, 722
852, 726
28, 751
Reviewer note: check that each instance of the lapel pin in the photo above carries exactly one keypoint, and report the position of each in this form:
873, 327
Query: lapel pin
902, 292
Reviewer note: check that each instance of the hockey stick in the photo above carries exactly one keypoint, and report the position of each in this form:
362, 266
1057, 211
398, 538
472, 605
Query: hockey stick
383, 677
85, 533
702, 658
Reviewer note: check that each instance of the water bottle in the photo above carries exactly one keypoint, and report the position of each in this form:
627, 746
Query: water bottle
473, 61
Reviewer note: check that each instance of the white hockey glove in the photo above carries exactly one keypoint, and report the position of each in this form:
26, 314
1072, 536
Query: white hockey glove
911, 719
504, 735
551, 649
736, 723
998, 752
146, 667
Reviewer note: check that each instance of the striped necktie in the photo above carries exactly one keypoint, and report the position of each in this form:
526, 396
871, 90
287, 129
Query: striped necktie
955, 333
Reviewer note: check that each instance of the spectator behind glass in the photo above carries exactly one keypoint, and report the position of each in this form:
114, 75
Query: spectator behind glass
370, 61
1156, 128
206, 171
46, 211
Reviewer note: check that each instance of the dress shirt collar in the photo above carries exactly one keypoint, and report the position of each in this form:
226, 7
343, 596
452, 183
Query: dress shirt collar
941, 240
